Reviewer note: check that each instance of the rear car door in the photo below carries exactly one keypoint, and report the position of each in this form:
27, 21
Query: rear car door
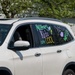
53, 41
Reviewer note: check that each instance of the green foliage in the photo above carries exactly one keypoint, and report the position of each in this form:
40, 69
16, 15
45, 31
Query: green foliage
12, 7
45, 8
57, 8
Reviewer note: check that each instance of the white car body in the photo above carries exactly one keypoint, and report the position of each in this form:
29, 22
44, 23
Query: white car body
52, 60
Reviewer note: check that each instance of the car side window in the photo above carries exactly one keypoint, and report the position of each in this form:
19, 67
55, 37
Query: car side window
22, 33
45, 34
63, 35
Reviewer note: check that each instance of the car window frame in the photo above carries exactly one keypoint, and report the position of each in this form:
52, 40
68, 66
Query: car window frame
35, 39
23, 24
56, 36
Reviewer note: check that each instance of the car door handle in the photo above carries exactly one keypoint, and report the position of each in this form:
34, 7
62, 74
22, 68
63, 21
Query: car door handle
37, 54
59, 51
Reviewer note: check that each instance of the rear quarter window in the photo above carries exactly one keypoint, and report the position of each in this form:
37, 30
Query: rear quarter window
63, 35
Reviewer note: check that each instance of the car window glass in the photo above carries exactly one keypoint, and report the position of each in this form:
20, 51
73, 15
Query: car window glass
45, 34
4, 29
62, 34
22, 33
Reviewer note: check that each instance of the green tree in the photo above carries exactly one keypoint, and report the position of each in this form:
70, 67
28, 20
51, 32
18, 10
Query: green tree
45, 8
56, 8
12, 7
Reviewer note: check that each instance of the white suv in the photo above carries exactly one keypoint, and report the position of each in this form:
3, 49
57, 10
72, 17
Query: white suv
36, 46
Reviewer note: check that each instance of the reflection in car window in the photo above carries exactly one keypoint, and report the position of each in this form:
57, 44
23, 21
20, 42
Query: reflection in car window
4, 29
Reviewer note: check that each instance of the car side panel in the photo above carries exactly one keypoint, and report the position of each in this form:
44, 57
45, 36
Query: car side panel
6, 59
54, 61
26, 63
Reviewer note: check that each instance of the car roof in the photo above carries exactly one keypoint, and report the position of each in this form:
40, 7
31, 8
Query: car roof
11, 21
39, 18
8, 21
